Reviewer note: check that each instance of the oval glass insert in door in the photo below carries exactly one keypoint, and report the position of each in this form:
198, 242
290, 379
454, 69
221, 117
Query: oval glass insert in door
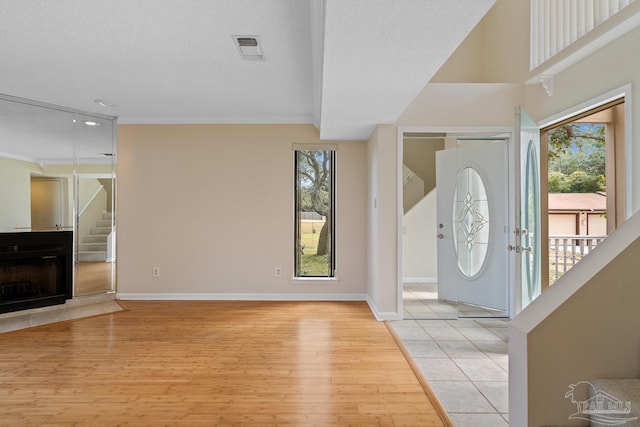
471, 220
531, 227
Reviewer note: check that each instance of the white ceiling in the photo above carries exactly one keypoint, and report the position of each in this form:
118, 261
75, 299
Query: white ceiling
344, 65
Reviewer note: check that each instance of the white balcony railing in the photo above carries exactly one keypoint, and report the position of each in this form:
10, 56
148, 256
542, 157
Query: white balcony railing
566, 251
555, 24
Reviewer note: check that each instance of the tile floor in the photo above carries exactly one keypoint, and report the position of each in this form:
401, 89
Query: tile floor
421, 302
464, 360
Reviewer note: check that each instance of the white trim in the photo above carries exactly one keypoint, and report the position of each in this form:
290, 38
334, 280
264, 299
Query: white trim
107, 175
383, 315
399, 227
20, 158
472, 131
455, 130
314, 146
20, 100
186, 120
420, 280
590, 104
239, 297
608, 31
315, 281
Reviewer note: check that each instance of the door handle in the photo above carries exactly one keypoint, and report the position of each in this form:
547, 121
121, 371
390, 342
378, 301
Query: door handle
440, 236
519, 249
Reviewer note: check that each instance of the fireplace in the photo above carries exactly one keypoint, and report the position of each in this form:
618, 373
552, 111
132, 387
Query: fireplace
35, 269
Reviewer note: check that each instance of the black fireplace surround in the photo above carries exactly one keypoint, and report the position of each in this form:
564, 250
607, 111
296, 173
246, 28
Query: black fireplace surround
36, 269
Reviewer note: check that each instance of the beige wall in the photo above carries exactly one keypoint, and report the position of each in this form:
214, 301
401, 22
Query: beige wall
107, 184
412, 189
506, 42
212, 207
463, 104
419, 243
419, 223
571, 223
594, 334
465, 64
420, 156
562, 224
496, 51
15, 192
382, 220
92, 202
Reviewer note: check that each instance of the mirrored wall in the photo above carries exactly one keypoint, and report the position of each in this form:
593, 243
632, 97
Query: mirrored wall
57, 172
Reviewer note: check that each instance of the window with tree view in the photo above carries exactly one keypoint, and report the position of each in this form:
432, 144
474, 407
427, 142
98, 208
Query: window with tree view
577, 158
314, 211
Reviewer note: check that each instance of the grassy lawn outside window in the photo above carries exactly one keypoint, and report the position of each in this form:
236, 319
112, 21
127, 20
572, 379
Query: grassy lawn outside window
314, 213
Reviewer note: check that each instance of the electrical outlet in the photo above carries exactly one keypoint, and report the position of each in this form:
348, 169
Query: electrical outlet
155, 271
278, 271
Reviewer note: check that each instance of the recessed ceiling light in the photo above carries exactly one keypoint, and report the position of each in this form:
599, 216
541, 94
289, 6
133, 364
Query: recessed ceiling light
105, 103
90, 123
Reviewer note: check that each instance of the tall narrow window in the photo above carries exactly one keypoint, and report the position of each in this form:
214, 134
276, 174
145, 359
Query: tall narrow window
315, 213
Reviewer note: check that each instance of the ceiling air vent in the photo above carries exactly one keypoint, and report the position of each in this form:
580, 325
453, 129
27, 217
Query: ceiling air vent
249, 47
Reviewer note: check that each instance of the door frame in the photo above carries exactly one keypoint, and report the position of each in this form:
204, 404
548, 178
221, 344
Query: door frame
584, 107
62, 198
625, 91
469, 131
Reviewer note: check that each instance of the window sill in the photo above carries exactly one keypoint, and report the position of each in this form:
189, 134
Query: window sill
315, 281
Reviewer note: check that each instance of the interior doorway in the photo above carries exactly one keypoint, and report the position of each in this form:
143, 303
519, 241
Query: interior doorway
49, 203
444, 223
95, 235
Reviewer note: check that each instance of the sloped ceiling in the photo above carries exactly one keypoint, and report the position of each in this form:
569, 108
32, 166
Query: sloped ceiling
344, 65
379, 54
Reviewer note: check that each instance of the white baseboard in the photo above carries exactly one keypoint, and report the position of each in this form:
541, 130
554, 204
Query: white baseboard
420, 280
240, 297
383, 315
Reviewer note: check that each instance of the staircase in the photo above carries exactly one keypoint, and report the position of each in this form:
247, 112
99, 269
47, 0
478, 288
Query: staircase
412, 189
616, 401
94, 245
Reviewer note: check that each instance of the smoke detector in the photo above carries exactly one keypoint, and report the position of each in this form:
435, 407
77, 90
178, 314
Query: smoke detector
249, 47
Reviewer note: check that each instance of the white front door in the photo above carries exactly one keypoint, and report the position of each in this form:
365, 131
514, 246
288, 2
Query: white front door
528, 235
472, 206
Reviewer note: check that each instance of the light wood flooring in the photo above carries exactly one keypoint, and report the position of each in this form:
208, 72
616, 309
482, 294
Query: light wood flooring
94, 277
213, 363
